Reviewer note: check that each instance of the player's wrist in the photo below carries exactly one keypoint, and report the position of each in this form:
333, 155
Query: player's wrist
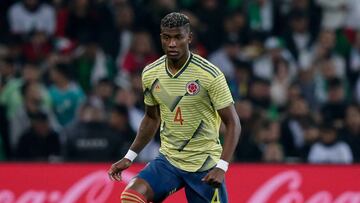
131, 155
222, 164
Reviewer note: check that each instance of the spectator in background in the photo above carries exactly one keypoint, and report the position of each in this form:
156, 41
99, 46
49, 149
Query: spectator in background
280, 83
7, 73
312, 10
38, 47
293, 127
354, 61
211, 16
39, 142
265, 134
236, 26
334, 13
61, 16
250, 118
124, 23
324, 50
140, 54
307, 87
104, 93
330, 149
90, 138
259, 94
225, 55
119, 123
11, 94
300, 39
324, 72
13, 46
33, 100
28, 15
274, 51
350, 133
7, 70
263, 16
311, 136
273, 153
353, 15
333, 111
66, 96
127, 98
12, 99
82, 20
240, 83
251, 149
91, 63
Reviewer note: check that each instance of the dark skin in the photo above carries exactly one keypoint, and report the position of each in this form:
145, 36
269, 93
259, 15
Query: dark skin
175, 43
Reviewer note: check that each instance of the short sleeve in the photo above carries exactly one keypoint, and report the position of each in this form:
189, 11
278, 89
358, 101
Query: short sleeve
219, 92
148, 96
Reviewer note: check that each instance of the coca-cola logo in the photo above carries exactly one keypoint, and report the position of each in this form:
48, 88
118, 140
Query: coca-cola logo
292, 180
96, 187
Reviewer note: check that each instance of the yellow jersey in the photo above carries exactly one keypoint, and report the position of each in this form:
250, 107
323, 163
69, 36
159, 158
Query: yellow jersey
188, 102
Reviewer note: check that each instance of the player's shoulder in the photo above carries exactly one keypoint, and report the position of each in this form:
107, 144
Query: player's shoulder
154, 65
206, 66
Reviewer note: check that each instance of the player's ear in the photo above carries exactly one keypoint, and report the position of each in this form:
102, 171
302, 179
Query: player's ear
190, 36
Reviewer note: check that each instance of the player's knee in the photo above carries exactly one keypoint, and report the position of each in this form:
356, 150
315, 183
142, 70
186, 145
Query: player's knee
132, 196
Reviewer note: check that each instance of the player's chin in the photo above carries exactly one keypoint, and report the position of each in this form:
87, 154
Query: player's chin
173, 56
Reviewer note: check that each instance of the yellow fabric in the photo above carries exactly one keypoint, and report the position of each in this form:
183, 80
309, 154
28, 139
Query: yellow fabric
188, 102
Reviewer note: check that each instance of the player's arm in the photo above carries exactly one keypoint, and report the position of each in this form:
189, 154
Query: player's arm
148, 127
232, 124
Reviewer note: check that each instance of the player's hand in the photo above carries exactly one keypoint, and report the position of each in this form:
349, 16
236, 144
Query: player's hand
215, 177
116, 169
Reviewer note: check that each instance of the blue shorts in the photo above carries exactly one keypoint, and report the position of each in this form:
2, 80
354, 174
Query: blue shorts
165, 179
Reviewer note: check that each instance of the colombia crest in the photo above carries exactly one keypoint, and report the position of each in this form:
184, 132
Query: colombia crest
192, 88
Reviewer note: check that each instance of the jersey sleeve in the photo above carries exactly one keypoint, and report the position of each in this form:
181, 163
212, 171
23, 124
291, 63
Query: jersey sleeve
148, 96
219, 92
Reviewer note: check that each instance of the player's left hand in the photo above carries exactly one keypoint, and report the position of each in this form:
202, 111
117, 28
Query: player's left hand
215, 177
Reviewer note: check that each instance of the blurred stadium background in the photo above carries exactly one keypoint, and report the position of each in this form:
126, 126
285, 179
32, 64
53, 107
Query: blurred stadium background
70, 89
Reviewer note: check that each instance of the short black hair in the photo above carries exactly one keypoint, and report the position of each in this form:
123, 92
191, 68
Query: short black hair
174, 20
65, 69
38, 116
334, 83
120, 110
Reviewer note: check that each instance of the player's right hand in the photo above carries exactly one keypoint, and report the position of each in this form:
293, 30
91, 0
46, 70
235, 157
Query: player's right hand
116, 169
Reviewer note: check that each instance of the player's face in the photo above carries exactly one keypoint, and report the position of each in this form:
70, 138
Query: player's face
175, 42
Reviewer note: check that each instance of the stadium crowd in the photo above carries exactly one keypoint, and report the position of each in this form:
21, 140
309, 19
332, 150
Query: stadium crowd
70, 75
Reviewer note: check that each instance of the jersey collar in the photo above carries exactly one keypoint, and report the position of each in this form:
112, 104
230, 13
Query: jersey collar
181, 70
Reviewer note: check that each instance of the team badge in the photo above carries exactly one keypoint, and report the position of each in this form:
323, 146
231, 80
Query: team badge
192, 88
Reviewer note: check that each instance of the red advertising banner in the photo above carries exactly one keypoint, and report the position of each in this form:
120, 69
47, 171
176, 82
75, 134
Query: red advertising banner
89, 183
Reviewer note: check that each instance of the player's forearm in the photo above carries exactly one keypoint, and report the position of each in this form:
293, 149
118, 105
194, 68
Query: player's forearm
231, 139
146, 132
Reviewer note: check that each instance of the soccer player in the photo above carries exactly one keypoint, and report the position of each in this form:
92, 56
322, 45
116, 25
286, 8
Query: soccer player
187, 97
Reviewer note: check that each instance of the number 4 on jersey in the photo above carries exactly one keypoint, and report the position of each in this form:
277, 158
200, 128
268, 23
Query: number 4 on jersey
178, 116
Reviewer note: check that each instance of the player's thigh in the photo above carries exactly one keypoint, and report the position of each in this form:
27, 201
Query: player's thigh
162, 177
199, 192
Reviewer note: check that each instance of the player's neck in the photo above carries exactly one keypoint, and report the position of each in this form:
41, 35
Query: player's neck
174, 66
